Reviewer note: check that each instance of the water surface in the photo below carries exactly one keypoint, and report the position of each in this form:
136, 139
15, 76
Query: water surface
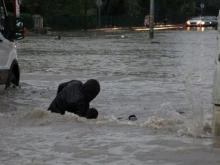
167, 84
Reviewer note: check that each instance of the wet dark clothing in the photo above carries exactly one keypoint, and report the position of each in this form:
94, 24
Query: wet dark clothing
74, 96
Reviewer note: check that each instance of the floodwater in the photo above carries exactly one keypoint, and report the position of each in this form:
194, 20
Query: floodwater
166, 82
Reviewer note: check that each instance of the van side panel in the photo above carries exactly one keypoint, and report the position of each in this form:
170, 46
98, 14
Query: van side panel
7, 52
3, 76
12, 56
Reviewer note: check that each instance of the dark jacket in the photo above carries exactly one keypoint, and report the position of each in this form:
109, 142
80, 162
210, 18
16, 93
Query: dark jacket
74, 96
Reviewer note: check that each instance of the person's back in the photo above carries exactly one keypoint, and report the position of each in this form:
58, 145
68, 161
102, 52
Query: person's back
67, 98
73, 96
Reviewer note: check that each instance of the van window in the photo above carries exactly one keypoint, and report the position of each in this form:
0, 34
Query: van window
5, 23
2, 17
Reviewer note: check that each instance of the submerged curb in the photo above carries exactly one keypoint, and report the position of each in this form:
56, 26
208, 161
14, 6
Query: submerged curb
157, 27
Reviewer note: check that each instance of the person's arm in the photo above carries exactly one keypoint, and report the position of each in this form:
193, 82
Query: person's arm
82, 108
54, 107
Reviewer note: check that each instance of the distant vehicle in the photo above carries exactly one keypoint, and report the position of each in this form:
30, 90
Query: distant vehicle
210, 21
195, 21
10, 30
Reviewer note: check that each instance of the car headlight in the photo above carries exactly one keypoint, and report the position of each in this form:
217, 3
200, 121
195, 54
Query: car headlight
188, 23
200, 23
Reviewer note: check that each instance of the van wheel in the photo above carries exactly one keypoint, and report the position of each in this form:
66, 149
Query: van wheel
13, 76
12, 81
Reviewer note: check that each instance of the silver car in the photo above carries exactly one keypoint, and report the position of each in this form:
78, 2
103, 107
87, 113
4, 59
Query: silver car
195, 21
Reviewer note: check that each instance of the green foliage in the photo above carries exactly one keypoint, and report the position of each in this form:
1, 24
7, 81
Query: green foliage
27, 18
58, 7
28, 22
115, 12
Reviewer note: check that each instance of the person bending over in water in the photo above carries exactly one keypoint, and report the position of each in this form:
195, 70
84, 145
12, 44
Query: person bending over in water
74, 96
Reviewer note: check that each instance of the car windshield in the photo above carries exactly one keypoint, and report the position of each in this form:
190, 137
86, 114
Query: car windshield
195, 18
210, 17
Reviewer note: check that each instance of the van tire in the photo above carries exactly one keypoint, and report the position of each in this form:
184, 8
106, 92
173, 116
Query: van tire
14, 76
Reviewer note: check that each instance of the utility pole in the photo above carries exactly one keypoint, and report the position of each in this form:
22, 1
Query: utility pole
216, 90
202, 5
99, 4
17, 8
151, 19
131, 11
85, 16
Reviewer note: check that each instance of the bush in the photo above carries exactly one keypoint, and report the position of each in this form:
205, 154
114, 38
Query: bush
28, 21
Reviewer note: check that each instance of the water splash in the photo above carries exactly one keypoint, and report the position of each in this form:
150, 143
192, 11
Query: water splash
169, 120
166, 118
159, 123
195, 122
191, 123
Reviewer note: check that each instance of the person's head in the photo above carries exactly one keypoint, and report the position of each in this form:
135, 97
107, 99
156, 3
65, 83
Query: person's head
132, 118
91, 88
92, 113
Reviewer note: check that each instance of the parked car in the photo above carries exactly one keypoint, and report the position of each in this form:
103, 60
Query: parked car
10, 30
210, 21
194, 21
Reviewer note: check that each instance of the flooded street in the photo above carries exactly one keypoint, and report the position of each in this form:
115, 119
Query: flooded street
166, 82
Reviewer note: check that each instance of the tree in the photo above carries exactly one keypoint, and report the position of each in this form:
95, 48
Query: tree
114, 12
57, 7
175, 9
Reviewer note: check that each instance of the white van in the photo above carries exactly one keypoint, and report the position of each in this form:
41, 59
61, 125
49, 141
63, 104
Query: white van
9, 31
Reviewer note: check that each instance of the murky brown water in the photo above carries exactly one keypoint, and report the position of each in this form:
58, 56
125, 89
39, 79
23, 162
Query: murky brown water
155, 81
